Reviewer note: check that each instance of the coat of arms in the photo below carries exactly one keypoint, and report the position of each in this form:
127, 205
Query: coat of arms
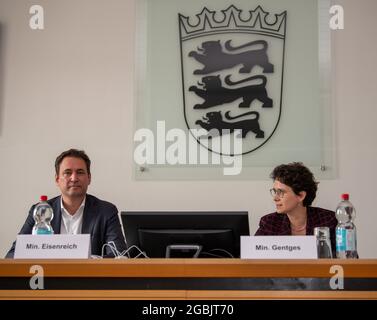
232, 74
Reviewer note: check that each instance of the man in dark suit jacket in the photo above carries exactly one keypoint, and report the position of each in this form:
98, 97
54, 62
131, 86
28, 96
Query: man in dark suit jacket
75, 211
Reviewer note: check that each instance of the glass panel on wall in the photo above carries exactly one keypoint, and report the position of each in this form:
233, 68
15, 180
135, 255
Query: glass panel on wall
229, 90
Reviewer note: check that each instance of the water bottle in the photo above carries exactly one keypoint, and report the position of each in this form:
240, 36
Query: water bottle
43, 215
346, 246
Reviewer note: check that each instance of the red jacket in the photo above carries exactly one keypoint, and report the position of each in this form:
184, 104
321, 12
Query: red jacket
277, 224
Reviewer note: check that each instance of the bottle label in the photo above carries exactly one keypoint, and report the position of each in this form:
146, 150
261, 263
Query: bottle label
345, 239
43, 231
341, 239
351, 240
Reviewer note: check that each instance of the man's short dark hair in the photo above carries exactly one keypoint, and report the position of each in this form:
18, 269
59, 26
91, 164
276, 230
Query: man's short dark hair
299, 178
74, 153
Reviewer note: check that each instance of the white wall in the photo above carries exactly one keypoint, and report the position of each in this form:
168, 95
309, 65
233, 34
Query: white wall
71, 85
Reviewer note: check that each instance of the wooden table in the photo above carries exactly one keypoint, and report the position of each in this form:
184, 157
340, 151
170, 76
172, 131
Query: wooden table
188, 279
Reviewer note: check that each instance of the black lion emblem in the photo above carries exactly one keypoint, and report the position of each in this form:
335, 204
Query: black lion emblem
215, 94
214, 120
214, 59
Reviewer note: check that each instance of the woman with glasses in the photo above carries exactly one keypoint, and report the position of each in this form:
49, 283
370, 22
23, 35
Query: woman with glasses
293, 192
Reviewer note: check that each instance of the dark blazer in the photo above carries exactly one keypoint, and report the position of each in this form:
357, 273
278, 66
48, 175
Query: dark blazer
278, 224
100, 219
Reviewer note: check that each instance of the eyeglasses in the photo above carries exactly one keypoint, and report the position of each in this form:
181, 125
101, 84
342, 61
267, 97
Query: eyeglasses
277, 192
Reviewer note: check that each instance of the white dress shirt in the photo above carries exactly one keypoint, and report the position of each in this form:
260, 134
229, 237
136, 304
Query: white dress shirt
71, 224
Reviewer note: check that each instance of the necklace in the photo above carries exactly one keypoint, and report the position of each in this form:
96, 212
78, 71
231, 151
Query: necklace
298, 228
302, 228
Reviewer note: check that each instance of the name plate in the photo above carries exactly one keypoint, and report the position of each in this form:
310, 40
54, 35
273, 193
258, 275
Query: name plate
278, 247
56, 246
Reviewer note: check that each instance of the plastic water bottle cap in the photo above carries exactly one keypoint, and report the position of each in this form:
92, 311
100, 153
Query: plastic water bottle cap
345, 196
43, 198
